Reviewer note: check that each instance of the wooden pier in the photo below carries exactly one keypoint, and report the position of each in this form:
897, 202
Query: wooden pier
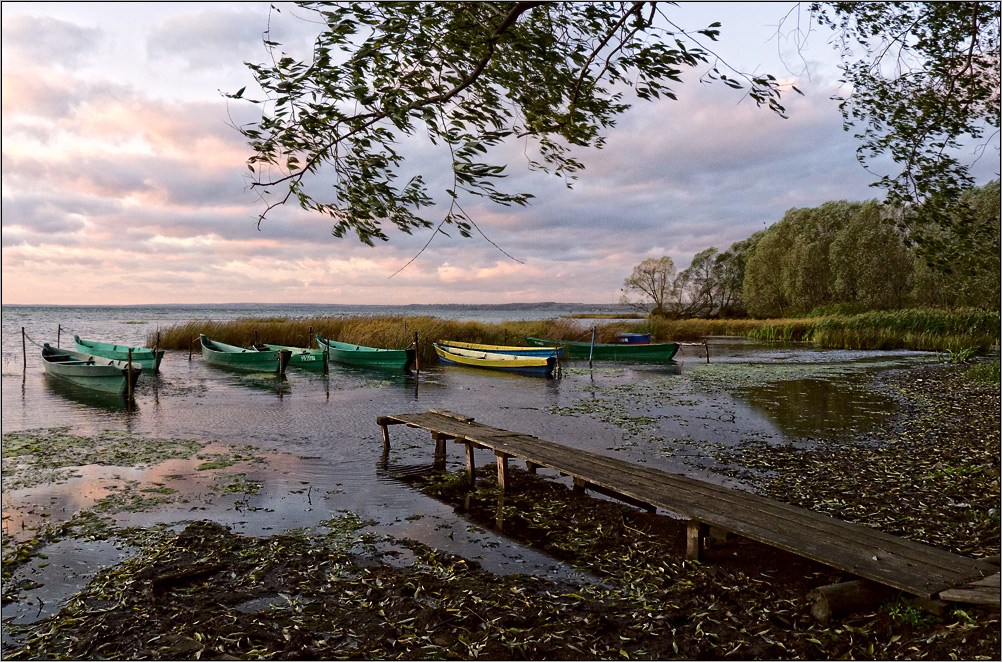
921, 570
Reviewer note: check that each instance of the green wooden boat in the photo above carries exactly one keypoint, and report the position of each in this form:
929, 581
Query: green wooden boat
241, 358
611, 351
301, 357
144, 357
367, 357
93, 372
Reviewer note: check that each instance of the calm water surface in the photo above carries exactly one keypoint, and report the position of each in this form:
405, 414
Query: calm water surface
324, 450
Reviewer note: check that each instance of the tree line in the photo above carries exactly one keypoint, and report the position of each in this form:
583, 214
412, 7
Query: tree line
846, 256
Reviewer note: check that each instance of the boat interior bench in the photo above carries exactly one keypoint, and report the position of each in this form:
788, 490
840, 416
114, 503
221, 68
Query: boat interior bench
916, 568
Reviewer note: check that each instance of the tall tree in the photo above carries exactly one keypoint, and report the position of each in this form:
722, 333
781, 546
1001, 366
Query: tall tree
653, 286
468, 75
923, 83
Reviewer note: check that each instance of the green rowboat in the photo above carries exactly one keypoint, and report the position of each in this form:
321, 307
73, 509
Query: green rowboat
89, 371
145, 358
240, 358
302, 357
367, 357
611, 351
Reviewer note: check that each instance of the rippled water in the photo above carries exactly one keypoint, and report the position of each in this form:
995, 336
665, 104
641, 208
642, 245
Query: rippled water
324, 451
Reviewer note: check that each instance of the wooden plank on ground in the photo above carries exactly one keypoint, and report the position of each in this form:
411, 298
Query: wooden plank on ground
914, 567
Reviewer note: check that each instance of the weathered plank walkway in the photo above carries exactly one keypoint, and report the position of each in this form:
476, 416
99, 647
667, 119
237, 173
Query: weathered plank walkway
915, 568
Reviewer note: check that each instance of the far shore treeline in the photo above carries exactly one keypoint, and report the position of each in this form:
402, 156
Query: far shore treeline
844, 275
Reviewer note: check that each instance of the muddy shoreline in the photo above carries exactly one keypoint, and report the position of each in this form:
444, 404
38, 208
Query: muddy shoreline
930, 473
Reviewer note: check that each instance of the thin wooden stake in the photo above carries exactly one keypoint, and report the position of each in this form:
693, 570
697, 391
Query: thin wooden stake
592, 350
59, 333
128, 379
706, 346
24, 354
417, 356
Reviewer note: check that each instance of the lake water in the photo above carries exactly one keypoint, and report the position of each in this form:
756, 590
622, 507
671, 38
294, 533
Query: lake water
323, 449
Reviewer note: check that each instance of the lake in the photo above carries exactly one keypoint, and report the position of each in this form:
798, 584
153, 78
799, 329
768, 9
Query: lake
311, 446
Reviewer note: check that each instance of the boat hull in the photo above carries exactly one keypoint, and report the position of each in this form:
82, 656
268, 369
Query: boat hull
93, 372
520, 363
611, 351
505, 349
301, 357
145, 358
368, 357
240, 358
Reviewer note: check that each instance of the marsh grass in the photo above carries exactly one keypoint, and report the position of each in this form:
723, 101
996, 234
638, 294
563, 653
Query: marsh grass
922, 329
389, 332
918, 328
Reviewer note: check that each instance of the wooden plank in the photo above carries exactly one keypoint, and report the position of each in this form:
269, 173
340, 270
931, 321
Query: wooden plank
914, 567
797, 517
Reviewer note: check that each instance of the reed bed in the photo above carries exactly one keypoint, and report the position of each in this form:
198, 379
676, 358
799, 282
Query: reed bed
389, 332
921, 329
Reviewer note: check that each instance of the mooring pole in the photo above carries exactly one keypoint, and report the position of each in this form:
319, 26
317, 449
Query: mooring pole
706, 346
591, 351
24, 354
417, 356
128, 379
59, 332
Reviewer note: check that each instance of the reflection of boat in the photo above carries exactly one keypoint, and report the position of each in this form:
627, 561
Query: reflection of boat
612, 351
240, 358
89, 398
145, 358
301, 357
367, 357
539, 365
504, 349
89, 371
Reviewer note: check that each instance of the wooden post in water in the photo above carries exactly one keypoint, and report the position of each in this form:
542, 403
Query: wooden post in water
24, 354
417, 356
128, 379
591, 351
190, 343
706, 346
59, 333
471, 465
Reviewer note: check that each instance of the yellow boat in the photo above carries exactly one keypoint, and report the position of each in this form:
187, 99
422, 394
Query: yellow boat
504, 349
535, 365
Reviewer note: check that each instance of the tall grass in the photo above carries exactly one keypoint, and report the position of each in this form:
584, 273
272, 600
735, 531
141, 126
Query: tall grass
922, 329
390, 332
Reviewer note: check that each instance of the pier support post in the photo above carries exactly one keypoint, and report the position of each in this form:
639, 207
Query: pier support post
386, 436
439, 449
695, 540
471, 467
531, 467
503, 478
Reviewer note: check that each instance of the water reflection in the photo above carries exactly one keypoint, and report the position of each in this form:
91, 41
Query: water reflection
808, 407
86, 397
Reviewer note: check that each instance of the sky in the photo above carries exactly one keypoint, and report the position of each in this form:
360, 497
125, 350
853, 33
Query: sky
125, 183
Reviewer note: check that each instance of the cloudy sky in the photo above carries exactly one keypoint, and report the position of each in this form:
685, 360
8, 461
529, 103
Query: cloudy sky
123, 182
